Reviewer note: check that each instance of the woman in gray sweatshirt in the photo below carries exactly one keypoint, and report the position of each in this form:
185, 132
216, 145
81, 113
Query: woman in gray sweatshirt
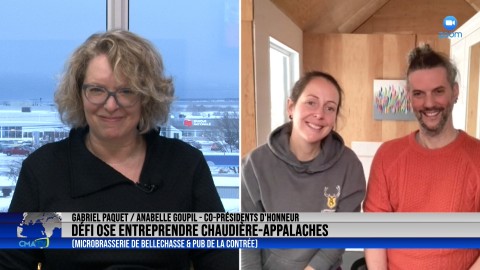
304, 167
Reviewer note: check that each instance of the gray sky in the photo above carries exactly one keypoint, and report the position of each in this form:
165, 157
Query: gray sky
199, 44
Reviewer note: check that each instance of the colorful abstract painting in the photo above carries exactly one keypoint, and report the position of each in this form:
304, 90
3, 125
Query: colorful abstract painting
390, 100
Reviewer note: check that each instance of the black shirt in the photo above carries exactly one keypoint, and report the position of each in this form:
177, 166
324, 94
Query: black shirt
66, 177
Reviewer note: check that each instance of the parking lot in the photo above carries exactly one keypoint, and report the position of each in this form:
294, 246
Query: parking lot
5, 163
220, 163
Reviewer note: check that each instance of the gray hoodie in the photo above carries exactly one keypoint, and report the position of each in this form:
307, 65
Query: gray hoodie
274, 180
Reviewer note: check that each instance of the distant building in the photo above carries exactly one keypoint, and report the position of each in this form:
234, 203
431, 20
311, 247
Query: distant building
39, 124
34, 124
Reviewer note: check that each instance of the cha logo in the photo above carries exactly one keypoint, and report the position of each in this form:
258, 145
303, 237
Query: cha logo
450, 23
37, 243
36, 229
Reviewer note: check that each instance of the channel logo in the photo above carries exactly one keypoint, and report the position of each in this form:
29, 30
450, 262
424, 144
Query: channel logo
450, 23
35, 229
37, 243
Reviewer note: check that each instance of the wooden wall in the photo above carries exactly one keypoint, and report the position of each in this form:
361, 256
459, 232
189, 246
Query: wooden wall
247, 93
376, 16
377, 50
355, 60
415, 16
473, 91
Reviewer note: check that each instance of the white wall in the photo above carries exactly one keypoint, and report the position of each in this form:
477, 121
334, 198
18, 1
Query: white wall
268, 21
365, 152
460, 53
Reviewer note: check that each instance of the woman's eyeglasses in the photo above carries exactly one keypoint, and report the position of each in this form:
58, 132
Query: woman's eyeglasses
98, 95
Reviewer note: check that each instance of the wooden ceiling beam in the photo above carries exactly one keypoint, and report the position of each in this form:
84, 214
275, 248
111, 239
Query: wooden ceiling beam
345, 16
303, 12
361, 16
327, 16
474, 3
375, 16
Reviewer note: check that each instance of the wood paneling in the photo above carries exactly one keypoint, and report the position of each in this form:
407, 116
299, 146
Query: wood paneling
395, 55
475, 4
361, 13
416, 16
327, 16
473, 89
438, 44
247, 93
304, 13
355, 61
375, 16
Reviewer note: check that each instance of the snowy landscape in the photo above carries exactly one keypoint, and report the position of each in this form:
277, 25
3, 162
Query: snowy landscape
201, 123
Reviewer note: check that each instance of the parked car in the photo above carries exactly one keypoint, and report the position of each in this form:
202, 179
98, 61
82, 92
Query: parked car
18, 150
194, 144
4, 147
217, 147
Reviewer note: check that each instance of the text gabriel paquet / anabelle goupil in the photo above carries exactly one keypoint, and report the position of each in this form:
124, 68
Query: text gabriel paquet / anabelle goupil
193, 225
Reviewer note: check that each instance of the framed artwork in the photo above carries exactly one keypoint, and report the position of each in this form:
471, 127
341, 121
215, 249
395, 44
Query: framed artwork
390, 101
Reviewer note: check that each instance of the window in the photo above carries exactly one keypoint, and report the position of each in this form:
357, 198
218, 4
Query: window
284, 70
199, 41
199, 44
34, 46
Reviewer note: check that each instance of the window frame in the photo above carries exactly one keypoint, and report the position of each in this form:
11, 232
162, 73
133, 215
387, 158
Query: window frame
291, 71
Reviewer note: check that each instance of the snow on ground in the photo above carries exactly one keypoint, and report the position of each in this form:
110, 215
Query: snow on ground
226, 178
5, 203
231, 205
5, 162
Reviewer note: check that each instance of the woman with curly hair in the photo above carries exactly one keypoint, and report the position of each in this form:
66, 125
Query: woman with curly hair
114, 94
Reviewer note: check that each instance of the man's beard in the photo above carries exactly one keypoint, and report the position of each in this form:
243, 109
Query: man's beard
437, 129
